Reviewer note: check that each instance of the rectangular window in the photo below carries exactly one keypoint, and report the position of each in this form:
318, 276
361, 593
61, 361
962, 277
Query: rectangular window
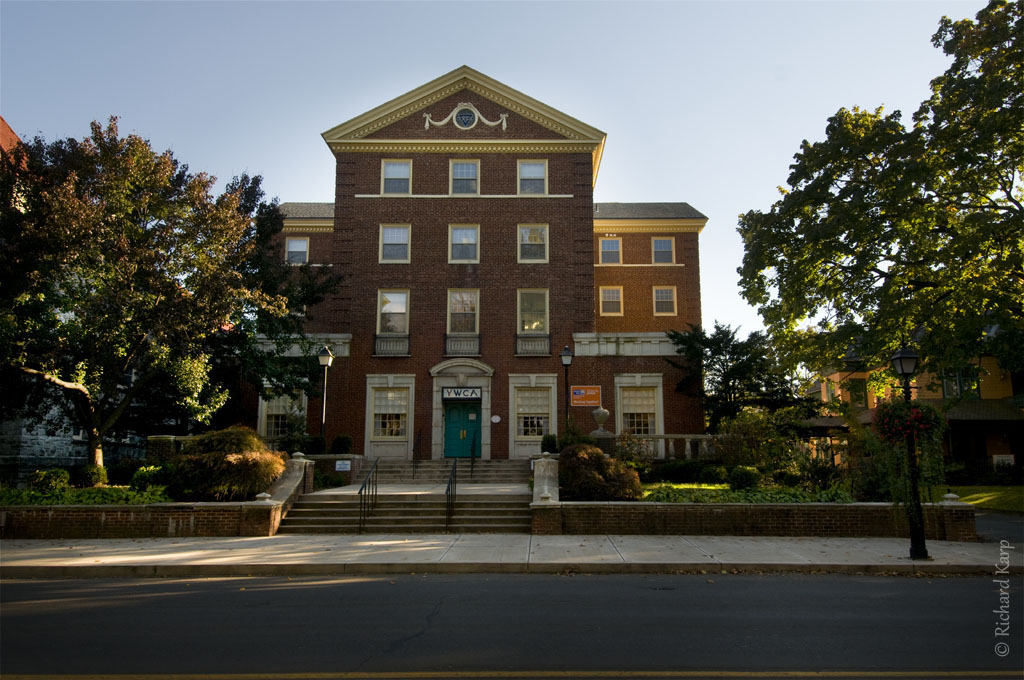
533, 243
533, 411
533, 177
281, 412
611, 251
390, 412
663, 250
394, 242
960, 383
396, 177
664, 301
463, 311
393, 312
639, 410
858, 389
297, 250
611, 300
465, 176
533, 311
464, 243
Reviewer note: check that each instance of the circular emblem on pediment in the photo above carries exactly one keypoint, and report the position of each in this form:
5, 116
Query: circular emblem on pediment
465, 118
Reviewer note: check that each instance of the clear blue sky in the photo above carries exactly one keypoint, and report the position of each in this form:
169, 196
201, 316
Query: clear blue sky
703, 102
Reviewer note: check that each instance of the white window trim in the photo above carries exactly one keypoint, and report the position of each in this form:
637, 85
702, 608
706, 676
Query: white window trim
548, 380
383, 163
289, 239
519, 177
448, 321
600, 301
547, 242
519, 311
671, 240
451, 229
654, 301
654, 380
451, 176
380, 244
408, 309
262, 412
600, 250
390, 381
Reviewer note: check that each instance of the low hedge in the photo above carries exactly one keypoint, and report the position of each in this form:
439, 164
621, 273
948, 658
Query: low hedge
111, 495
675, 494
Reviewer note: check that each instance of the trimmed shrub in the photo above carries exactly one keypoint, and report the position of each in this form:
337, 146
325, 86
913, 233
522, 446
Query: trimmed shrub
120, 471
49, 481
342, 445
145, 477
714, 474
549, 444
89, 475
744, 478
678, 471
585, 473
226, 465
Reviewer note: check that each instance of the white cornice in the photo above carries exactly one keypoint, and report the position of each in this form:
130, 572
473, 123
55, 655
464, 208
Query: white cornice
636, 226
465, 146
308, 225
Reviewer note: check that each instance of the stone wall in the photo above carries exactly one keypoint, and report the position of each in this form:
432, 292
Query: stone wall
946, 521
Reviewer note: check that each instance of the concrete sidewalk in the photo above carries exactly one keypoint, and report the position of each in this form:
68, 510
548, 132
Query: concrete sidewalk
290, 555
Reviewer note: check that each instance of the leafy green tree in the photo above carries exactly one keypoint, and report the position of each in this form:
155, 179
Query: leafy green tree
888, 235
730, 373
120, 269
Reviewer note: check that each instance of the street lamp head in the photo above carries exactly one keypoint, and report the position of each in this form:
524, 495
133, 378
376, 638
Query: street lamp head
904, 362
325, 356
566, 356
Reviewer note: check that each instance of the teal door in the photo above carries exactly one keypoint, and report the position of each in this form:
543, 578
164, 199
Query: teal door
462, 429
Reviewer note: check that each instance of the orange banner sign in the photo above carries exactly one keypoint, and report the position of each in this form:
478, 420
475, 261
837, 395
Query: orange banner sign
586, 395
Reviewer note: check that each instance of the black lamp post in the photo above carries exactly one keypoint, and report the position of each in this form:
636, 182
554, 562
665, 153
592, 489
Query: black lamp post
566, 357
326, 358
904, 362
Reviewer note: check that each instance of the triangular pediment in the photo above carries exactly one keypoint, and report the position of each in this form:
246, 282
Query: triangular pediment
426, 118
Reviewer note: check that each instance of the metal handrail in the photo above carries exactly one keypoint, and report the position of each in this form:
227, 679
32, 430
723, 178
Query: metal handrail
449, 496
472, 455
368, 495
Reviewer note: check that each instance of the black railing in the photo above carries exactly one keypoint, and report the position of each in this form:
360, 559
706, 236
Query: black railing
462, 345
368, 495
391, 346
449, 496
533, 345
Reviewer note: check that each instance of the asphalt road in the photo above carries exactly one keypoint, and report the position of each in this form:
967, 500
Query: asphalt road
511, 626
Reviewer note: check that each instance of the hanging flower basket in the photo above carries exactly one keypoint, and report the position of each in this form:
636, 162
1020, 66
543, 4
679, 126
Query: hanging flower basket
894, 420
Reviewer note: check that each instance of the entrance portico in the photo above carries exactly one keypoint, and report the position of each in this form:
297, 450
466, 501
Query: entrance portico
461, 418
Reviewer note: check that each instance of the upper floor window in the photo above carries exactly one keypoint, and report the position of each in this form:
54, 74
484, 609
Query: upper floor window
664, 301
533, 311
464, 243
393, 312
533, 243
396, 177
611, 251
533, 177
297, 250
465, 177
611, 300
463, 311
960, 383
858, 391
394, 243
663, 250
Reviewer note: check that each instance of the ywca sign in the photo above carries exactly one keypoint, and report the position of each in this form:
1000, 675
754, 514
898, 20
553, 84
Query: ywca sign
461, 392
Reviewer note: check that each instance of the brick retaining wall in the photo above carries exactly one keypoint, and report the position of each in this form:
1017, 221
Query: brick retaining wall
256, 518
947, 521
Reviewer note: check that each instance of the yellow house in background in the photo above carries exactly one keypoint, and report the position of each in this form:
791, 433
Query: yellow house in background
983, 405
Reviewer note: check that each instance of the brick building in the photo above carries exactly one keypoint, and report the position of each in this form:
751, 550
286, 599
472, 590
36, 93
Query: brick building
473, 253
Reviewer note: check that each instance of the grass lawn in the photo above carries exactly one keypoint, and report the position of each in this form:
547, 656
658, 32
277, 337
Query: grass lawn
1007, 498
